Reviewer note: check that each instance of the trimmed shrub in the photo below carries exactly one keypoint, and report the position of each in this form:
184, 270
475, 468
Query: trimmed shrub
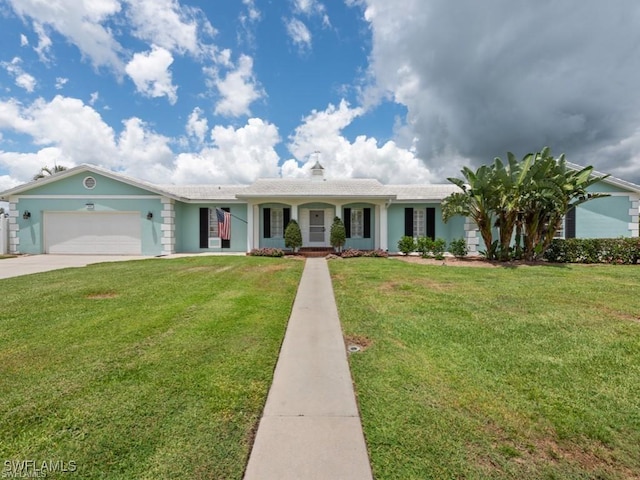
338, 234
458, 248
624, 251
267, 252
406, 245
293, 236
424, 246
352, 252
438, 247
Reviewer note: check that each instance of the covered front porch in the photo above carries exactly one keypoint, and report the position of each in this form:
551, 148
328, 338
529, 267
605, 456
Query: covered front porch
365, 223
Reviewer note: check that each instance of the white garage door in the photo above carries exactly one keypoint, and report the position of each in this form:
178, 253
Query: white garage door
92, 233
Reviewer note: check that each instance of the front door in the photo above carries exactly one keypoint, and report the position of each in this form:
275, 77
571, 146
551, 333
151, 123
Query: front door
316, 226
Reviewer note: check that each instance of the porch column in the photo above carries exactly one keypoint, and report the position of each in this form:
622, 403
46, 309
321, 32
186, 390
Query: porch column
249, 226
254, 227
294, 212
338, 207
382, 231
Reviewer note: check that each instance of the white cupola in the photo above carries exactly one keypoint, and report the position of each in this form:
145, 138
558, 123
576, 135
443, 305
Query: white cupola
317, 172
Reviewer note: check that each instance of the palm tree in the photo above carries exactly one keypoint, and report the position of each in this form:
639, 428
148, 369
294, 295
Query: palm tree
477, 201
46, 171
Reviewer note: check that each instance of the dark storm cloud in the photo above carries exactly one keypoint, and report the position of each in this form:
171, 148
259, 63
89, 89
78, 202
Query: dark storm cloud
481, 78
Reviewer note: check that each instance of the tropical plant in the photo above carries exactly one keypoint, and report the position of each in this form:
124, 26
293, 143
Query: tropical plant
476, 201
406, 245
46, 171
530, 197
293, 236
338, 234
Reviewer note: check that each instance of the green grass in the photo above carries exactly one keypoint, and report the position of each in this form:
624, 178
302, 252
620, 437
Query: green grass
144, 369
528, 372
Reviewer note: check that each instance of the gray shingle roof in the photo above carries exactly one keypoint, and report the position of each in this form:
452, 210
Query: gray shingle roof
204, 192
422, 192
285, 187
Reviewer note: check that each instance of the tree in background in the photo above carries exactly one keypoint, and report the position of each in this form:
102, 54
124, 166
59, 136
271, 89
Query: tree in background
293, 236
46, 171
338, 234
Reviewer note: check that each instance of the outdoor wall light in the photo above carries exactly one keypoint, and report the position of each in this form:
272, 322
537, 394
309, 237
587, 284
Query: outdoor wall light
149, 215
90, 206
26, 215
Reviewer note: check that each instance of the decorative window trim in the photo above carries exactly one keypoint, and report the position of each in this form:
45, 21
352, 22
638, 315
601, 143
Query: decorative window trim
213, 225
357, 223
277, 223
89, 182
419, 222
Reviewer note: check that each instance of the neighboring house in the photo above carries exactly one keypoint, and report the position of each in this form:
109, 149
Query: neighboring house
91, 210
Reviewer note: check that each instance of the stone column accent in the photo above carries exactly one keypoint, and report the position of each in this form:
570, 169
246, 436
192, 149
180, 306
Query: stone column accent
168, 226
472, 236
14, 239
634, 212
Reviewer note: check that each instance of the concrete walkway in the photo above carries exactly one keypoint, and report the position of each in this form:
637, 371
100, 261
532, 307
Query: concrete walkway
311, 427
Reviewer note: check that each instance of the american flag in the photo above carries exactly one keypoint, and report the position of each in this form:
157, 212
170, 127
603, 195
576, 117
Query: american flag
224, 224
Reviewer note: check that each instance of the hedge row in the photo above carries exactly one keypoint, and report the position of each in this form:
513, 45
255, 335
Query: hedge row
624, 251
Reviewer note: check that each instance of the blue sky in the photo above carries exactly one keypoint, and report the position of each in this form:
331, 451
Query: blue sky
228, 91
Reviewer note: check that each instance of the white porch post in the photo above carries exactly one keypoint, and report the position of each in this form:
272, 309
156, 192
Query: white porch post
249, 226
168, 226
14, 239
294, 212
253, 228
383, 229
338, 207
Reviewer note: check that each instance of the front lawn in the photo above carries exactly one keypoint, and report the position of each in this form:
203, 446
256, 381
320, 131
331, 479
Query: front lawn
144, 369
528, 372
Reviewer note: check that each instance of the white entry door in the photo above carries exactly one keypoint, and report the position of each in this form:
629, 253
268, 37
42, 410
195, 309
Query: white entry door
316, 227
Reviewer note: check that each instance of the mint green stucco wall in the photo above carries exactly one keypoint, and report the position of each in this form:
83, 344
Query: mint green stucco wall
73, 186
188, 227
451, 230
606, 217
31, 231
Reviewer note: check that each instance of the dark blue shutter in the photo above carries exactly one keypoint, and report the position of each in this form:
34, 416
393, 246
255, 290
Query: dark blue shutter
266, 223
347, 222
408, 222
204, 228
570, 224
431, 223
367, 223
226, 243
286, 216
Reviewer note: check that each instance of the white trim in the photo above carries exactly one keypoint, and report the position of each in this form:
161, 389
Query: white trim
215, 242
87, 197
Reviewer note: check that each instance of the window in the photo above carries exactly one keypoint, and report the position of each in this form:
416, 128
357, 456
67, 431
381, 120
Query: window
277, 223
419, 222
274, 221
213, 223
357, 223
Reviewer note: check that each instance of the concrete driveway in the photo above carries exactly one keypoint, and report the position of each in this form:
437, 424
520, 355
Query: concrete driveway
27, 264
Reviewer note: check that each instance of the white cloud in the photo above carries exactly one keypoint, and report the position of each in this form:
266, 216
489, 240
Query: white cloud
239, 156
80, 22
321, 131
150, 73
165, 23
94, 98
197, 125
22, 79
310, 8
238, 89
70, 133
24, 41
61, 82
43, 49
299, 33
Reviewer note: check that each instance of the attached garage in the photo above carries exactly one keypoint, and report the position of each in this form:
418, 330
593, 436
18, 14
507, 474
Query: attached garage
98, 233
